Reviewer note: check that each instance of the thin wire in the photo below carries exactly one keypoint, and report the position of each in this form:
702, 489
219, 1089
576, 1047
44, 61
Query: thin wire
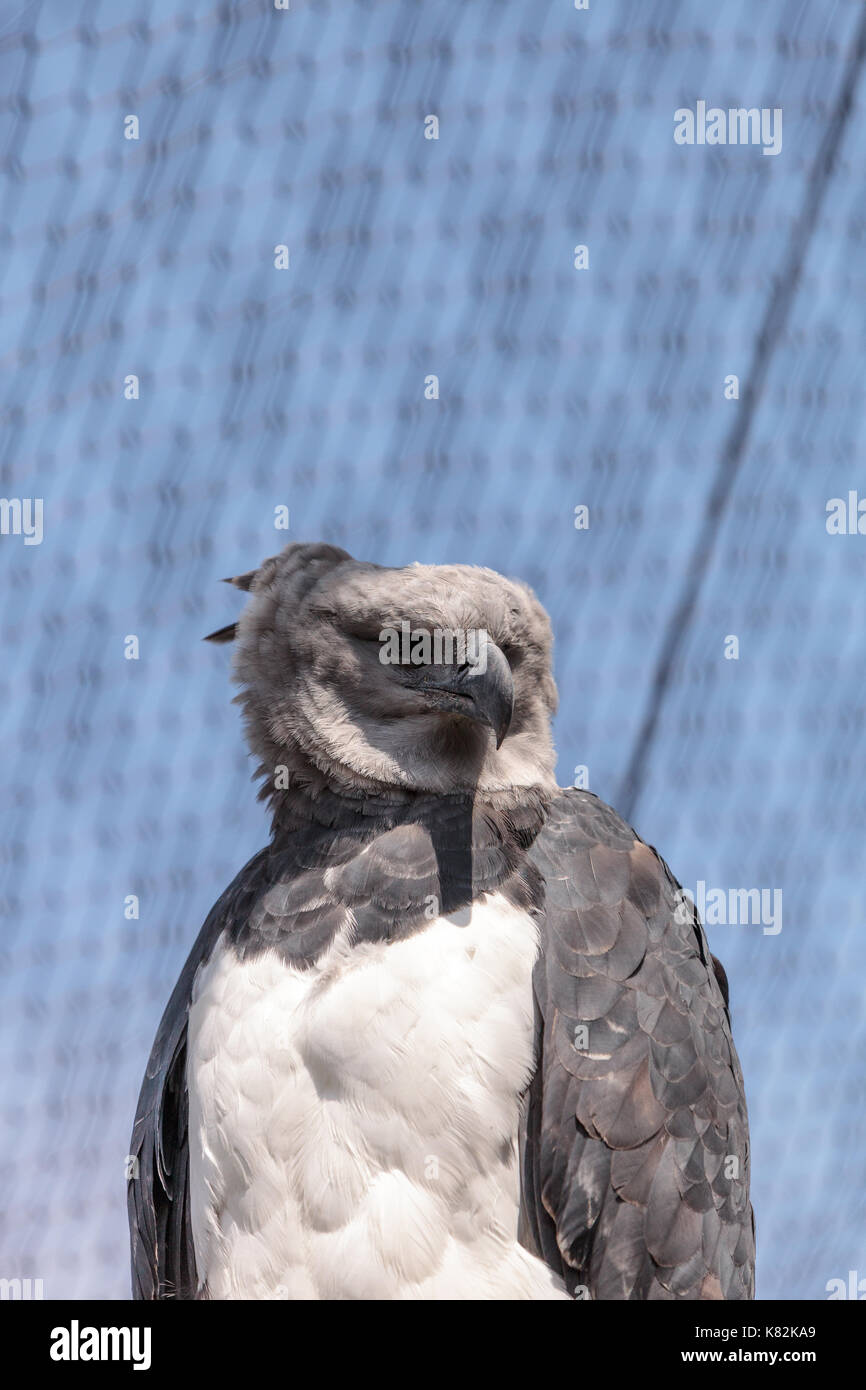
770, 333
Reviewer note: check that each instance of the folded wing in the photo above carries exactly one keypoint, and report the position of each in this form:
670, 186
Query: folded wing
635, 1149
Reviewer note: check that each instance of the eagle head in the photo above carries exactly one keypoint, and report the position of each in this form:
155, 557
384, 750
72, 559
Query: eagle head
433, 678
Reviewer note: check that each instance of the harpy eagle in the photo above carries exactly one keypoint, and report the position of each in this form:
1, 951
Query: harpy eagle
451, 1034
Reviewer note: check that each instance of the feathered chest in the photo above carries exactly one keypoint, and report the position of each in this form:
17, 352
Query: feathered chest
354, 1123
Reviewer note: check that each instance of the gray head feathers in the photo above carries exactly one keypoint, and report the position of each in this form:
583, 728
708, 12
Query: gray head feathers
322, 703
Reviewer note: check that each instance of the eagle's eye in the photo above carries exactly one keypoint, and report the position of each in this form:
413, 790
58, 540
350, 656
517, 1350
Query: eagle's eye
512, 654
363, 632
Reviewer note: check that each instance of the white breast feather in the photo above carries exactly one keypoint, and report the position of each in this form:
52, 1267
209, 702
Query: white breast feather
353, 1127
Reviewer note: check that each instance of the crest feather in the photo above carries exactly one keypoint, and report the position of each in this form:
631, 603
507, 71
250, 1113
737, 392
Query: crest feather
242, 581
222, 634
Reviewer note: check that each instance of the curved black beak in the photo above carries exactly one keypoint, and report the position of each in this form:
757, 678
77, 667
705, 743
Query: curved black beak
483, 690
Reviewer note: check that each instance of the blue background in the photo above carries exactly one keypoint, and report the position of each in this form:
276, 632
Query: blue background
305, 388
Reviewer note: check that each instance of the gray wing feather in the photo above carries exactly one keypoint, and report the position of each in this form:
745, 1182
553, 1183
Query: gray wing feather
635, 1150
163, 1257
